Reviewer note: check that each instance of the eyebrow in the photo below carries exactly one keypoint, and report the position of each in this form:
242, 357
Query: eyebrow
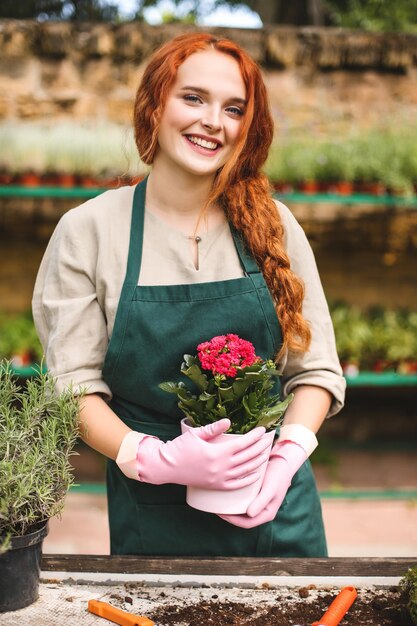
206, 93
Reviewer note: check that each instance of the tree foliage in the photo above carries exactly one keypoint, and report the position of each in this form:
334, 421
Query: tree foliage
373, 15
74, 10
26, 9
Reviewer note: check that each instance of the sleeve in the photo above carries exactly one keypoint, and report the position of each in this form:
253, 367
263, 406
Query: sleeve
319, 366
67, 315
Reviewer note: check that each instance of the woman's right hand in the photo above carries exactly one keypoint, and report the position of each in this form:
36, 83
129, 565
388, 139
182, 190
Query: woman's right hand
199, 458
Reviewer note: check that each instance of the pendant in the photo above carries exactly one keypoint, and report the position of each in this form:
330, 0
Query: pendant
197, 240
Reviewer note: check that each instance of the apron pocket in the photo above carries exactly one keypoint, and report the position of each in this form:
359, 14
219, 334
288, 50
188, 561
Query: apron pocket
180, 530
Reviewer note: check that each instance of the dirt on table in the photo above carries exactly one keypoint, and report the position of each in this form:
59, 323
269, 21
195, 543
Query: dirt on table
66, 602
293, 607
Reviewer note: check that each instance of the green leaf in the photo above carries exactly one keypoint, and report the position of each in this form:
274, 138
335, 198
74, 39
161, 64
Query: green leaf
221, 411
279, 409
240, 387
194, 373
226, 393
189, 360
209, 399
269, 421
171, 387
248, 406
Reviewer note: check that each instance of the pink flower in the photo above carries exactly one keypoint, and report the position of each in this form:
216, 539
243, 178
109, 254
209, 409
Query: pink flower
224, 353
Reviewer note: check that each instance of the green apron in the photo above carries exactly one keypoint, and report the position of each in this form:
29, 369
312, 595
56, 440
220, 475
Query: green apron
154, 327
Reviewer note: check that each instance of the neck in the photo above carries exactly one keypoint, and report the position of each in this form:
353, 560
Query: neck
176, 192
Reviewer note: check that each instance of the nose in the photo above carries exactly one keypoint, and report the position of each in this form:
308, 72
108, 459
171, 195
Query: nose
211, 119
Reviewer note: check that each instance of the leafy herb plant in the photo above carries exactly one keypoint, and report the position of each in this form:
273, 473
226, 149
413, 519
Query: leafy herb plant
38, 431
409, 584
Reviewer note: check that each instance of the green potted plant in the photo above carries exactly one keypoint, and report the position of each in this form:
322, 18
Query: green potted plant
353, 334
293, 164
229, 380
38, 431
331, 166
19, 341
409, 584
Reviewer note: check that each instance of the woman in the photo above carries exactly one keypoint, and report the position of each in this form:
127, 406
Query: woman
198, 249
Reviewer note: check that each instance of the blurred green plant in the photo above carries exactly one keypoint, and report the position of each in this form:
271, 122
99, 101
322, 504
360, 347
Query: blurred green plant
102, 150
376, 339
409, 583
19, 341
373, 15
106, 151
378, 156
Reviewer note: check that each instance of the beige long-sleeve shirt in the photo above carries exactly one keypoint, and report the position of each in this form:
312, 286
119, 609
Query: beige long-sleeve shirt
79, 282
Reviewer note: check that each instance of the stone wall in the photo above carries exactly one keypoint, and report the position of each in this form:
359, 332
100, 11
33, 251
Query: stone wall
319, 79
367, 255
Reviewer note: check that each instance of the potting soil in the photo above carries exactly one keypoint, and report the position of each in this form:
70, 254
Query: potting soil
65, 602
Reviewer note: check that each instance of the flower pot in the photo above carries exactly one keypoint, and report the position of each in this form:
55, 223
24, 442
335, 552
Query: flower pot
374, 188
344, 188
222, 501
20, 570
30, 179
309, 186
66, 180
87, 180
283, 187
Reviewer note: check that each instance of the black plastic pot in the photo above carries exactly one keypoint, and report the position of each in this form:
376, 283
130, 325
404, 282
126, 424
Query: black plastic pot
20, 570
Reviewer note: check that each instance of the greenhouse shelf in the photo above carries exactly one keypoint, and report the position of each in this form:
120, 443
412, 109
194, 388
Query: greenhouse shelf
355, 198
28, 371
363, 379
328, 494
17, 191
89, 192
381, 379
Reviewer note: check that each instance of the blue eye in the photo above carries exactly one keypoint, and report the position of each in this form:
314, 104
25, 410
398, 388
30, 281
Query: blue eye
192, 98
235, 111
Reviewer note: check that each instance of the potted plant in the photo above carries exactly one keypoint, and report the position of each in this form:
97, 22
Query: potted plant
409, 583
352, 335
19, 341
298, 165
38, 431
228, 380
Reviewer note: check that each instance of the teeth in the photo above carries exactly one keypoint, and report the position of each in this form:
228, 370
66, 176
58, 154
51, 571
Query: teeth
202, 142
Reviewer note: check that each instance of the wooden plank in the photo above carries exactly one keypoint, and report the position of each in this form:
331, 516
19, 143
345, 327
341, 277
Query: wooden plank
343, 566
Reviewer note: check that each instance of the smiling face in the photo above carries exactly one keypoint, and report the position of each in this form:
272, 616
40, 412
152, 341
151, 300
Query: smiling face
203, 114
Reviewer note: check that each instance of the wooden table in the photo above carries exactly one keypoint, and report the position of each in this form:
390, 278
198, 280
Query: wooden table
221, 566
144, 585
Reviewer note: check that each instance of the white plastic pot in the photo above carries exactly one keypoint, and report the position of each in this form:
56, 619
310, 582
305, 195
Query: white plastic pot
232, 502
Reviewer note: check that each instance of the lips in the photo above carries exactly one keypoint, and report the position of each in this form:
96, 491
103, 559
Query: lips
206, 143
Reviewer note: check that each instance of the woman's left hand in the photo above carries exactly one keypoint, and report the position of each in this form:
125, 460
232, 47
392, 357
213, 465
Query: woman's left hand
285, 460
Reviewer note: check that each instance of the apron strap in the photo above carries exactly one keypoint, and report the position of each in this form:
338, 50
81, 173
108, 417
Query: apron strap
134, 260
246, 259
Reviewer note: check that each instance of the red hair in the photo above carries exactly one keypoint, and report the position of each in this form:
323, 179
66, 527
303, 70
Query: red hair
240, 187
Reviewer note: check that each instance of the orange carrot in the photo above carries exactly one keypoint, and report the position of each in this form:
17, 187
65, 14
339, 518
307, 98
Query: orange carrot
338, 608
117, 615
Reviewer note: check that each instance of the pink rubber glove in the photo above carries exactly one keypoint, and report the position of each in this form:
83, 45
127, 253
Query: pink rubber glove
285, 460
197, 458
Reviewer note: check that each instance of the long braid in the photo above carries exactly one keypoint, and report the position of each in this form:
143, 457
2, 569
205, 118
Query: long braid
252, 211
